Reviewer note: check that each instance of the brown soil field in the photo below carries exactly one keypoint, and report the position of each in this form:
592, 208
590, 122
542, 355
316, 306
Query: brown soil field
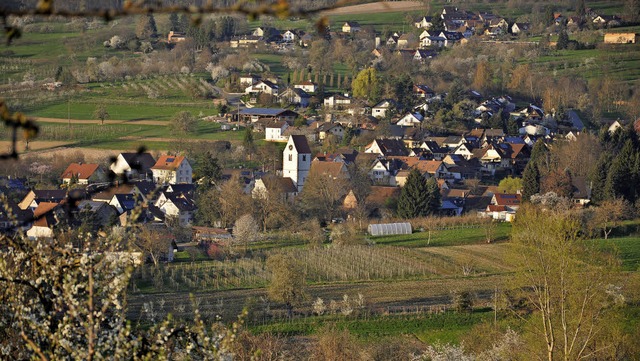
36, 145
377, 7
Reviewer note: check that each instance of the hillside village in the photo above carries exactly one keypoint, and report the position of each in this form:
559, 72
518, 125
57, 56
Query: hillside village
291, 180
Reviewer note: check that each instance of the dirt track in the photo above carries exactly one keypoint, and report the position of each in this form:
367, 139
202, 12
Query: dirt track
378, 7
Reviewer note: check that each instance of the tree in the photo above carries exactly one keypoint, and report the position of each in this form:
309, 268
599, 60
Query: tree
609, 213
482, 77
563, 40
414, 197
567, 282
101, 113
154, 243
245, 230
540, 156
146, 27
455, 94
558, 181
622, 178
510, 185
530, 181
183, 122
247, 141
322, 193
366, 85
206, 170
288, 284
433, 196
175, 22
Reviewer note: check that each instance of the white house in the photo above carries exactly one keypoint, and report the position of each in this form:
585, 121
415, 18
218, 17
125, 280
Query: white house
350, 27
296, 160
432, 41
381, 109
337, 101
330, 128
263, 86
424, 23
177, 206
274, 131
411, 120
308, 86
133, 165
288, 36
172, 169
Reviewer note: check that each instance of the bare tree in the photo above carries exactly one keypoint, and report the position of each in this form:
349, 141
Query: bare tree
245, 230
153, 243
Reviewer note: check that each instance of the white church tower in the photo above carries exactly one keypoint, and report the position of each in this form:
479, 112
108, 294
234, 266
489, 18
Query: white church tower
296, 160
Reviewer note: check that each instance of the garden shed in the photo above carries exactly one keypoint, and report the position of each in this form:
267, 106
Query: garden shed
388, 229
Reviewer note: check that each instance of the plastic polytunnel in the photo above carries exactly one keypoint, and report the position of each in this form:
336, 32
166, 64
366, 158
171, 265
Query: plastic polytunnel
388, 229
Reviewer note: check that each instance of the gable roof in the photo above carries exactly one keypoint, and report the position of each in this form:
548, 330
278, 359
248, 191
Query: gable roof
82, 171
139, 161
168, 162
333, 169
506, 199
279, 184
300, 143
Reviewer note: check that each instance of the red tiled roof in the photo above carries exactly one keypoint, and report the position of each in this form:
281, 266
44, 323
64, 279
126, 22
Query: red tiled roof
83, 171
168, 162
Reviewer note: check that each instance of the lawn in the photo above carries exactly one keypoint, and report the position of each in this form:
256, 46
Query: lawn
445, 327
446, 237
628, 249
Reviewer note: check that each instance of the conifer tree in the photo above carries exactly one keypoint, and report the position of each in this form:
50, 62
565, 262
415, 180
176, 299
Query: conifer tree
433, 201
530, 181
415, 196
622, 178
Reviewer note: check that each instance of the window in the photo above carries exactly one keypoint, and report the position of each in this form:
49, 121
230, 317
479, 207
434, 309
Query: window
304, 158
290, 157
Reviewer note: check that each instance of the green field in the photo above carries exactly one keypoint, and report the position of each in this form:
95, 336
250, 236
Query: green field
447, 237
628, 249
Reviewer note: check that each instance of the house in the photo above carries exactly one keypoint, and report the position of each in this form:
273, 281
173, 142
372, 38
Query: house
337, 101
80, 173
424, 22
12, 218
423, 91
307, 86
177, 206
607, 20
172, 169
274, 130
614, 127
350, 27
133, 165
267, 33
334, 170
296, 160
407, 40
295, 96
44, 220
451, 37
329, 128
176, 37
123, 202
433, 41
252, 115
37, 196
423, 54
102, 213
620, 38
387, 147
272, 185
289, 36
411, 120
393, 40
434, 149
511, 201
518, 28
383, 108
499, 23
581, 191
262, 86
465, 150
248, 79
244, 41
